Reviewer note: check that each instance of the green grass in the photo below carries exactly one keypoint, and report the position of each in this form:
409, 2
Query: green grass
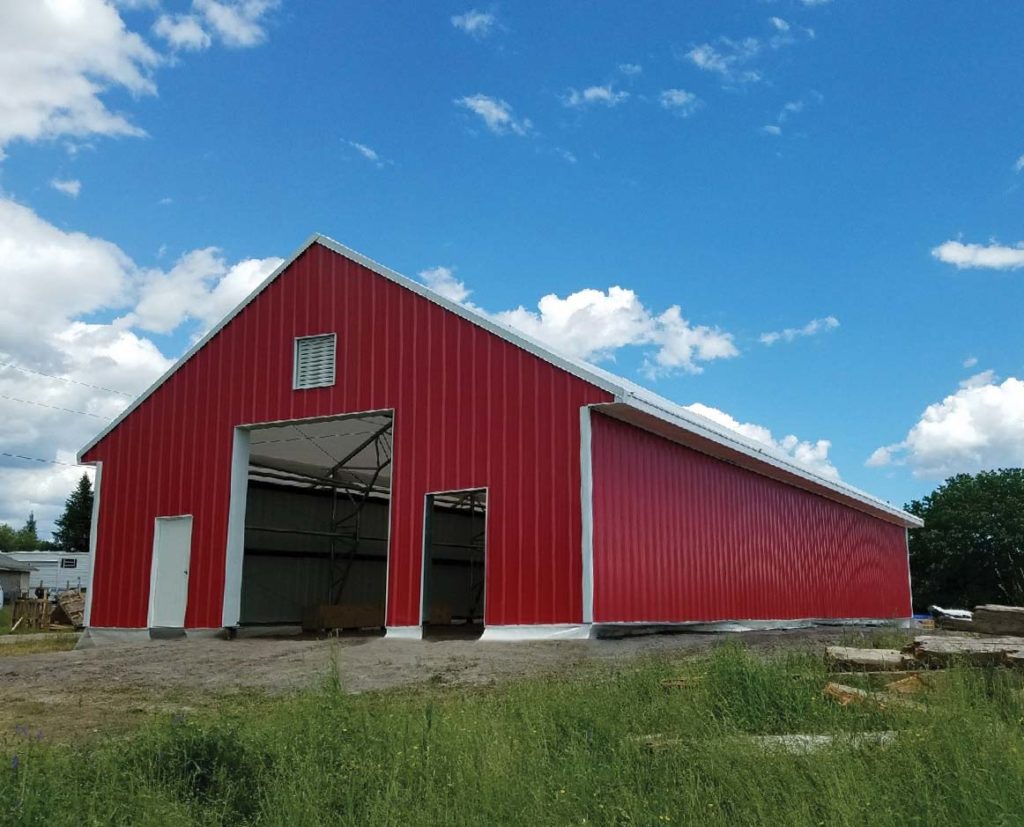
547, 751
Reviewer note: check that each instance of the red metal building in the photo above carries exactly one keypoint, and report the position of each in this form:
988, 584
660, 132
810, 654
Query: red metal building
347, 444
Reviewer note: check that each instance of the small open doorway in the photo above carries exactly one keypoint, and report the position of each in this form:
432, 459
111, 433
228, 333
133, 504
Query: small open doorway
316, 523
454, 563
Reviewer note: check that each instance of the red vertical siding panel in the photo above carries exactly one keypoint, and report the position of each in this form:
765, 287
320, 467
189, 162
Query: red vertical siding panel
680, 536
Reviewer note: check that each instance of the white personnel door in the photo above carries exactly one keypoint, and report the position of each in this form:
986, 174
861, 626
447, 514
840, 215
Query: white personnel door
168, 585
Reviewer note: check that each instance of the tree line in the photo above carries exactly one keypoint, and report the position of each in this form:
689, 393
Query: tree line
72, 527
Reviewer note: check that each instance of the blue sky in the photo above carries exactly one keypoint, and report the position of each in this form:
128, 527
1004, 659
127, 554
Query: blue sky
848, 169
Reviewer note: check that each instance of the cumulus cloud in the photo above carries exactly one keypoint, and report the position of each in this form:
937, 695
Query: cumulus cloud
970, 361
70, 187
200, 287
991, 256
1019, 166
679, 102
812, 328
238, 23
593, 324
72, 372
442, 281
771, 129
182, 31
979, 427
811, 455
728, 58
56, 62
496, 114
595, 95
631, 70
475, 23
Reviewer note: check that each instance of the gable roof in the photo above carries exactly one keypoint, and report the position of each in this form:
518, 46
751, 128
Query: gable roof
625, 392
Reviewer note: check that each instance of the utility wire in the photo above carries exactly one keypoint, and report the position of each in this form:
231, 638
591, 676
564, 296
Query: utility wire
65, 379
52, 407
36, 459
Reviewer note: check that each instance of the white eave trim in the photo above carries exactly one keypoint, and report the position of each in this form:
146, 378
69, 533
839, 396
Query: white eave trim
623, 390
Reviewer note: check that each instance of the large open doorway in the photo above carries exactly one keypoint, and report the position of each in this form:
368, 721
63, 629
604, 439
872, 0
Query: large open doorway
454, 563
316, 523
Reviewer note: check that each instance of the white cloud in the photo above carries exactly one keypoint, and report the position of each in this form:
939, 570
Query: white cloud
592, 95
237, 23
566, 155
475, 23
593, 324
57, 59
70, 187
182, 31
811, 455
727, 59
970, 361
368, 153
810, 3
990, 256
55, 284
1019, 166
200, 287
779, 24
442, 281
771, 129
812, 328
631, 70
496, 114
679, 101
979, 427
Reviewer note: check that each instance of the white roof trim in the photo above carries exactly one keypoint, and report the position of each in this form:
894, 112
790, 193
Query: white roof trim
623, 390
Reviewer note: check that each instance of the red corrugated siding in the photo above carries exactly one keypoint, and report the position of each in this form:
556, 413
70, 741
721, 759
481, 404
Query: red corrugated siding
470, 410
681, 536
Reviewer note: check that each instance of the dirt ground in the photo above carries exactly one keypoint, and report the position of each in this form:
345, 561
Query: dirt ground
110, 688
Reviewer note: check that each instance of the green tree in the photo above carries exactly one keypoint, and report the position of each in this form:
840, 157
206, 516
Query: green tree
8, 538
28, 537
971, 549
72, 531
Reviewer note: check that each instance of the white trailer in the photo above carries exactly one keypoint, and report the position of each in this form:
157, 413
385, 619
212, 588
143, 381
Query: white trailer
56, 570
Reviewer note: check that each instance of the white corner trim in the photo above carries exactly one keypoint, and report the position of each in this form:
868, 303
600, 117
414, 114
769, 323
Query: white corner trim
587, 514
94, 533
234, 551
404, 633
554, 631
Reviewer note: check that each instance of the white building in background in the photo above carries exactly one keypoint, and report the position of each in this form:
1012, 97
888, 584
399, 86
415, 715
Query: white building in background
56, 569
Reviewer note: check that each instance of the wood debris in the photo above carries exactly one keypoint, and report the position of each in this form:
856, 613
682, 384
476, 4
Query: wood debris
946, 650
847, 695
795, 744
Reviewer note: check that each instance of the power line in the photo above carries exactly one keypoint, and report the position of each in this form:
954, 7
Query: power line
53, 407
37, 459
66, 379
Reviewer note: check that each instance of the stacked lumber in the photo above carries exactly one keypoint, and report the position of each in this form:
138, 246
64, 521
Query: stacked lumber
71, 606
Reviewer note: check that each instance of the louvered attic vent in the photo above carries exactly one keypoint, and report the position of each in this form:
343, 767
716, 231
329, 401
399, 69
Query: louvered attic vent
314, 361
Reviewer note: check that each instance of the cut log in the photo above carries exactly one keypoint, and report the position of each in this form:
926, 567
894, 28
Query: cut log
910, 685
875, 660
999, 620
974, 651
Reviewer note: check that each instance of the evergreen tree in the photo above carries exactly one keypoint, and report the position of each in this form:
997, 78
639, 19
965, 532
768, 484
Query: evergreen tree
8, 538
28, 537
72, 532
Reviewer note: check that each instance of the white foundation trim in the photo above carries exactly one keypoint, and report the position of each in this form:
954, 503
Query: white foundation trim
654, 626
234, 551
404, 633
555, 631
94, 533
207, 634
587, 514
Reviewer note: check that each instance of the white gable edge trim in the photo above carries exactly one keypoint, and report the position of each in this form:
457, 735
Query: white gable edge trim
623, 390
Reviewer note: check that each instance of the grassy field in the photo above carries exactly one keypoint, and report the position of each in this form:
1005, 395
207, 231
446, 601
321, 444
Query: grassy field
548, 751
26, 644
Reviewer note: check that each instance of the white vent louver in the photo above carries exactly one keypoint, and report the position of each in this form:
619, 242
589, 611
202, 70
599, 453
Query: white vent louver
314, 361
